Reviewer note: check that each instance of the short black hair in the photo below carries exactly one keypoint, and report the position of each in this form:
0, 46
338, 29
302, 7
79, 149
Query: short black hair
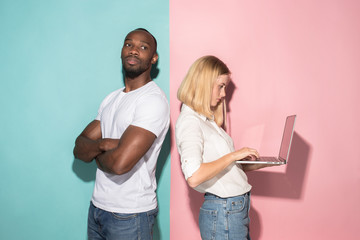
145, 30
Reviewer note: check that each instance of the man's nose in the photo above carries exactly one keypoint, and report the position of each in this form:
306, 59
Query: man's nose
134, 50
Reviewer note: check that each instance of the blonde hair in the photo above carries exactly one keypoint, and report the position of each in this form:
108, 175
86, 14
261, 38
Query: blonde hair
196, 89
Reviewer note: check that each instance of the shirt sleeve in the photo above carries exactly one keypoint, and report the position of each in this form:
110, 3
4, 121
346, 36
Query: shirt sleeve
103, 104
190, 144
152, 113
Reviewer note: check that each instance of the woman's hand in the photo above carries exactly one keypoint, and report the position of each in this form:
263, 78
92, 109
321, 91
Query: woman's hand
245, 154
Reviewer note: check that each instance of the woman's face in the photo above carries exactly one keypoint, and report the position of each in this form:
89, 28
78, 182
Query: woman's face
219, 88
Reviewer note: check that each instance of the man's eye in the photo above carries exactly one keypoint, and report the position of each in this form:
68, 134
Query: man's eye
144, 47
127, 45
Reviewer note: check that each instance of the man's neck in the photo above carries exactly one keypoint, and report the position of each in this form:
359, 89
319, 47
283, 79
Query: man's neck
135, 83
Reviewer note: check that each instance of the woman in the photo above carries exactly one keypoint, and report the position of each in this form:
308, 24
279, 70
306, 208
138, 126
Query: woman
208, 155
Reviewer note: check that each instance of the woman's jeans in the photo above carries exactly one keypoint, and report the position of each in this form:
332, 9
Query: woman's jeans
110, 226
225, 218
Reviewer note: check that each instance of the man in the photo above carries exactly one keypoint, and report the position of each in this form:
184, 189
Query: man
125, 140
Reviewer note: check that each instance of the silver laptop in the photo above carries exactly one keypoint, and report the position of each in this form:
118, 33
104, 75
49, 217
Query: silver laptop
284, 147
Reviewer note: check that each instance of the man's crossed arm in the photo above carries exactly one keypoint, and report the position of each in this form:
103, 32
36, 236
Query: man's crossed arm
117, 156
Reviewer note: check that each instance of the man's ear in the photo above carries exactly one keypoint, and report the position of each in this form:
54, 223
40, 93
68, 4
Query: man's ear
154, 58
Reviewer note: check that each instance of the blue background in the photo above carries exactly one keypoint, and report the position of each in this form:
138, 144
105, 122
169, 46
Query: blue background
58, 60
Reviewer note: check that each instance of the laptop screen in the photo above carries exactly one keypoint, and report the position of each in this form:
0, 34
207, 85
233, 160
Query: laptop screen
287, 137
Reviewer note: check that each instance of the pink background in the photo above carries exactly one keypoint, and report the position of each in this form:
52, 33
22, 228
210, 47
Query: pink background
287, 57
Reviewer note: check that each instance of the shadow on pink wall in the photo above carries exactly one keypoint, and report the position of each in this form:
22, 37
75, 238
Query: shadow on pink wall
289, 185
284, 185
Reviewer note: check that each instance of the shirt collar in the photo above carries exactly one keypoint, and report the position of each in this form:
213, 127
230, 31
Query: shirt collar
185, 107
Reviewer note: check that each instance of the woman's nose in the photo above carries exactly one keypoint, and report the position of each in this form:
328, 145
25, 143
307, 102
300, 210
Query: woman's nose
223, 93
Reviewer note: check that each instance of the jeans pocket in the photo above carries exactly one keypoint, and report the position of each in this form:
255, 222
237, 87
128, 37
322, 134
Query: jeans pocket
124, 217
237, 205
124, 225
207, 223
238, 218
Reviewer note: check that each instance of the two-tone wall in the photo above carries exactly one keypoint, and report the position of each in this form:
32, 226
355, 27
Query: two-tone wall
59, 59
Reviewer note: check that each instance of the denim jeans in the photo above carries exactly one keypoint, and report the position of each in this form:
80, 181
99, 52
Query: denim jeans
110, 226
225, 218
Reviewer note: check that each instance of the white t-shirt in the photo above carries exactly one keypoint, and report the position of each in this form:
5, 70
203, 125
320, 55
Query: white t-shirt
146, 107
200, 140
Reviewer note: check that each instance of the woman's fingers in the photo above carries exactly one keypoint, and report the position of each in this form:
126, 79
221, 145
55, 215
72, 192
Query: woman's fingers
247, 153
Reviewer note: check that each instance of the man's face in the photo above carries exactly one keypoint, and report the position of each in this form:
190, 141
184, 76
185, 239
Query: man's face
138, 53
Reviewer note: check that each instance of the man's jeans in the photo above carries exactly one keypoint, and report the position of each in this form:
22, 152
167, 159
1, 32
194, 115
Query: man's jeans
225, 218
110, 226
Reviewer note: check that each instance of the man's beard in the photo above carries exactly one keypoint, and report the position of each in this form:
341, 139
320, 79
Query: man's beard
133, 73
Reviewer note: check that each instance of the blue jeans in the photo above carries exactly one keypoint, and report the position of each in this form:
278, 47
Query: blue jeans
110, 226
225, 218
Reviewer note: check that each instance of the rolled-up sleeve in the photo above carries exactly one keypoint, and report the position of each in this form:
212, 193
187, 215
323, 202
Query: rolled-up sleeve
190, 144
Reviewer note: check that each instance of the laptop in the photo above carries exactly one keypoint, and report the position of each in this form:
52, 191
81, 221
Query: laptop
284, 147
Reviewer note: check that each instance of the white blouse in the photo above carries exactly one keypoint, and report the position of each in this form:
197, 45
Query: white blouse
200, 140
